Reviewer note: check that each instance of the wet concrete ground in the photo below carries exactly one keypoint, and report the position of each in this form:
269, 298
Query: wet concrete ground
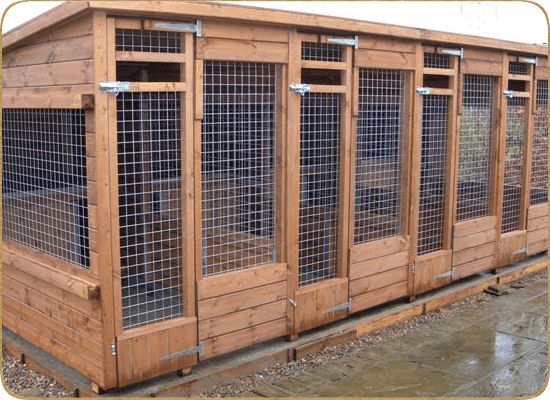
496, 350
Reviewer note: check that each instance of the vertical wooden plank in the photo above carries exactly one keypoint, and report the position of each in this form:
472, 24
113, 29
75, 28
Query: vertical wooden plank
501, 145
187, 181
196, 160
495, 142
415, 143
527, 149
104, 196
280, 167
89, 119
406, 152
345, 167
293, 177
199, 70
353, 155
452, 158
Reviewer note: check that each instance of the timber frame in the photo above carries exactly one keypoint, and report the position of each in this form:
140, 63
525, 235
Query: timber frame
298, 275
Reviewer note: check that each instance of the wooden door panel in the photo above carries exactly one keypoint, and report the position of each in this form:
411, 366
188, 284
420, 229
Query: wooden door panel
432, 271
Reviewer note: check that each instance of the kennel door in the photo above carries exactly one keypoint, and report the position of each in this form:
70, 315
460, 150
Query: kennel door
154, 308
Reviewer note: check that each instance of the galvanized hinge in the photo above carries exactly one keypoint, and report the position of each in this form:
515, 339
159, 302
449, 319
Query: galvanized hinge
339, 307
413, 268
292, 301
114, 87
354, 42
452, 52
113, 349
508, 94
300, 88
423, 91
443, 275
529, 60
193, 350
171, 26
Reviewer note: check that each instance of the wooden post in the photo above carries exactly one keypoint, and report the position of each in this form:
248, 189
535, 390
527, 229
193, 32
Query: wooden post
527, 148
105, 197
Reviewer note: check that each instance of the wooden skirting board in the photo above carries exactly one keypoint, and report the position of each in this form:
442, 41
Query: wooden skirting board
232, 366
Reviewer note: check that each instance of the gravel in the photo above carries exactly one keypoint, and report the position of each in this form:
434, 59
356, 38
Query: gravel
23, 381
20, 379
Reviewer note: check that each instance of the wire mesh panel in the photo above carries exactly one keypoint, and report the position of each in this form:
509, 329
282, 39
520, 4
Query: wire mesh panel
437, 60
517, 68
513, 164
379, 154
149, 173
432, 173
539, 159
312, 51
475, 148
238, 165
44, 203
319, 186
148, 41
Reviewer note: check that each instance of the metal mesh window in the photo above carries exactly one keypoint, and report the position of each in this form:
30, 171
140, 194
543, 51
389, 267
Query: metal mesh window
378, 154
513, 165
437, 60
149, 173
321, 51
238, 165
432, 173
44, 197
319, 186
517, 68
476, 137
148, 41
539, 160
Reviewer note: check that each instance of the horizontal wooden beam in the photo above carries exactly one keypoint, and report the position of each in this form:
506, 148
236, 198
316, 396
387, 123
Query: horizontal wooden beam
13, 98
440, 71
518, 77
328, 88
142, 56
158, 86
341, 66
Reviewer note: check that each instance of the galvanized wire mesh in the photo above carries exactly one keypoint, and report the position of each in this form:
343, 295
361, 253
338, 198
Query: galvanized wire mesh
321, 52
513, 165
517, 68
476, 139
319, 186
149, 174
44, 197
379, 154
539, 159
437, 60
148, 41
432, 173
238, 165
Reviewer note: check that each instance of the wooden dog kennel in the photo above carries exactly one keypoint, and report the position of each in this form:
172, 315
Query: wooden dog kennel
183, 180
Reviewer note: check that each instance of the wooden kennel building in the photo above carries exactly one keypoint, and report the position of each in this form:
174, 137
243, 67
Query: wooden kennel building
183, 180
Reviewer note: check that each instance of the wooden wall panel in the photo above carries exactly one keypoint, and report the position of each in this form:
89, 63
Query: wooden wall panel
537, 229
512, 248
241, 50
53, 314
432, 271
241, 308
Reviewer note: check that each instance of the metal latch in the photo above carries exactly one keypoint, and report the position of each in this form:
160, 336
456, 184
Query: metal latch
193, 350
423, 91
113, 349
453, 52
300, 88
171, 26
114, 87
508, 93
354, 42
339, 307
443, 275
528, 60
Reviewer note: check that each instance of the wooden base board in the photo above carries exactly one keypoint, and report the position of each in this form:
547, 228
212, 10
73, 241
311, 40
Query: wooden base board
227, 368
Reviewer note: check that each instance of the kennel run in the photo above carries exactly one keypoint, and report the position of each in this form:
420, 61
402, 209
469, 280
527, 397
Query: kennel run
183, 180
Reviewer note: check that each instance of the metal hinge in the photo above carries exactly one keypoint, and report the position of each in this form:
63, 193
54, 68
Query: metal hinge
171, 26
523, 250
423, 91
300, 88
508, 93
443, 275
354, 42
339, 307
193, 350
113, 349
413, 268
453, 52
529, 60
292, 301
114, 87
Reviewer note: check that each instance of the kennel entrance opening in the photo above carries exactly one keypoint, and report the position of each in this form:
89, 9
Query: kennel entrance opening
156, 328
